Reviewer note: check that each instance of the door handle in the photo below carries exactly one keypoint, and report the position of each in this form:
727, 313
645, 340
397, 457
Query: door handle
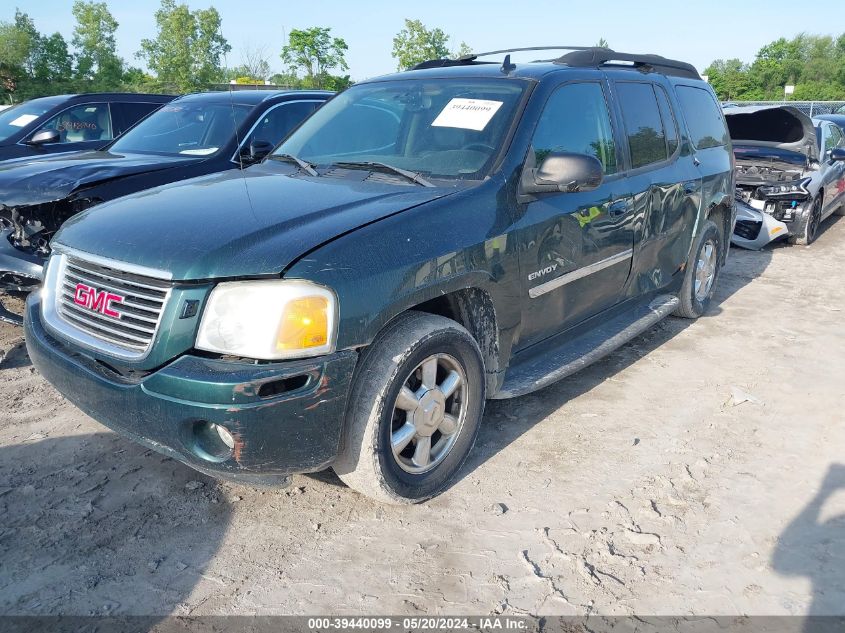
618, 208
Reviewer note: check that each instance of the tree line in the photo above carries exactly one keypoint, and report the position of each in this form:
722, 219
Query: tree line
813, 64
189, 53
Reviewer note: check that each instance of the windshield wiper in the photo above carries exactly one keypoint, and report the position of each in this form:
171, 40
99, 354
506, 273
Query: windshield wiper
304, 165
371, 165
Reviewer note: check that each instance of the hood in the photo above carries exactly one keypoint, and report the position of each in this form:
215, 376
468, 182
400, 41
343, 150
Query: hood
36, 181
779, 127
234, 224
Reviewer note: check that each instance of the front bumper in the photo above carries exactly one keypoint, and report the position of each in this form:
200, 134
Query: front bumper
16, 263
284, 418
754, 229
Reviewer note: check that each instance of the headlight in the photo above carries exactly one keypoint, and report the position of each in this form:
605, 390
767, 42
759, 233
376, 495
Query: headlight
269, 320
796, 190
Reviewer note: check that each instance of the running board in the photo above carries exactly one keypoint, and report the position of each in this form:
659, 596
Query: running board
575, 354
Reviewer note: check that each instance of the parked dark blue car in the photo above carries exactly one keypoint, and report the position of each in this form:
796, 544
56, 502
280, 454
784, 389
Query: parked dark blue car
69, 123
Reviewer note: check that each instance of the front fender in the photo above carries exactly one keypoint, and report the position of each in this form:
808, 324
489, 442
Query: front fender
385, 268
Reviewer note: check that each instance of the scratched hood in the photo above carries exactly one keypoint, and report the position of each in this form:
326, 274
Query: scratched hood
40, 180
234, 224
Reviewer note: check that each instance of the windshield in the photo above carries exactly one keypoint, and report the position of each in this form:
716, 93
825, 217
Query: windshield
187, 129
14, 119
438, 128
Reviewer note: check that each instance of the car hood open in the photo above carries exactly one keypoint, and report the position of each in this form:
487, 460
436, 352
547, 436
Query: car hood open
780, 127
41, 180
235, 224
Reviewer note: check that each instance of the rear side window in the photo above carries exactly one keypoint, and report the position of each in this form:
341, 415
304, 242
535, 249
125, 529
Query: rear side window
576, 120
128, 114
643, 125
703, 117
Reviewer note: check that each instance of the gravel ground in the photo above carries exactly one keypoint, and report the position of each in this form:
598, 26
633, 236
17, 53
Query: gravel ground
698, 470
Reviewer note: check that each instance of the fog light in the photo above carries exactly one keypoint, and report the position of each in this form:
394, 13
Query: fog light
224, 434
211, 442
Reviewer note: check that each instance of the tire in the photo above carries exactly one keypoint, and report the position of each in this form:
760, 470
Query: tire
367, 462
706, 255
810, 231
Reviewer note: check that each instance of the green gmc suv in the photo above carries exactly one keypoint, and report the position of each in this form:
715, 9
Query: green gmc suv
425, 241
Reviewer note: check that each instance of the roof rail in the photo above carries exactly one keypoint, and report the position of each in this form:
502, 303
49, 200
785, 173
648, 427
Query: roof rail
580, 57
597, 57
466, 60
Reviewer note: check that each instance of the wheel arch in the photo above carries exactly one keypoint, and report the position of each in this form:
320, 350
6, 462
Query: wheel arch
472, 307
722, 212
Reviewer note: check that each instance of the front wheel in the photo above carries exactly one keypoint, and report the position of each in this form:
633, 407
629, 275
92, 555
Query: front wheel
414, 410
811, 229
701, 274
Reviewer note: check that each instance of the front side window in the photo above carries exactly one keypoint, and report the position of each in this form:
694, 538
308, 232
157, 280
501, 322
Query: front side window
87, 122
576, 120
704, 119
643, 123
441, 128
833, 138
184, 128
277, 122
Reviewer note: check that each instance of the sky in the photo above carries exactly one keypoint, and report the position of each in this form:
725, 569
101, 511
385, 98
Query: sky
696, 31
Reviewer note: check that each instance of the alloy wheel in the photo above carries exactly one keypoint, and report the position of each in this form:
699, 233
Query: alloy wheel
428, 414
705, 270
814, 221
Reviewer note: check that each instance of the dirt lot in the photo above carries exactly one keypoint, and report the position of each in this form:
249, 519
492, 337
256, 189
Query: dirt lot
699, 469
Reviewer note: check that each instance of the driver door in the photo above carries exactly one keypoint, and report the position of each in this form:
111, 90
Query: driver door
575, 248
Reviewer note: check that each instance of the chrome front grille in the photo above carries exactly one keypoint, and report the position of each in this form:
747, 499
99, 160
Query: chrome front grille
106, 305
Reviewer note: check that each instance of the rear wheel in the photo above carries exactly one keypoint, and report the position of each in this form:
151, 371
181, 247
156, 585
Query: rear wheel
701, 274
811, 229
414, 410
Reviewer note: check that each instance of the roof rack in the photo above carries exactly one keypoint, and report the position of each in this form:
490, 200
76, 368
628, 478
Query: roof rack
580, 57
466, 60
597, 57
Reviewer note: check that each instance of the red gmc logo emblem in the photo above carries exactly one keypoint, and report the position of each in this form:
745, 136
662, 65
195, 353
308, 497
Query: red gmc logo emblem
97, 300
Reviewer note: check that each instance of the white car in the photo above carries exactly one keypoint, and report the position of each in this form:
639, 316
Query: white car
790, 174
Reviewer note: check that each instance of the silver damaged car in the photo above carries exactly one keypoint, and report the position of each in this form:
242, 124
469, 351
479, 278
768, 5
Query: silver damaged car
790, 174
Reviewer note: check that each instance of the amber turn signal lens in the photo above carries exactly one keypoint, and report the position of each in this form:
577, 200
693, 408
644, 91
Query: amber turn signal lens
304, 324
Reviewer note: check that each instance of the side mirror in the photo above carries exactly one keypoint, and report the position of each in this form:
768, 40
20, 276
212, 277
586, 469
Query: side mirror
42, 137
837, 153
565, 171
258, 149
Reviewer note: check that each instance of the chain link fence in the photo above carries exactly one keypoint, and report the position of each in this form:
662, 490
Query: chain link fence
810, 108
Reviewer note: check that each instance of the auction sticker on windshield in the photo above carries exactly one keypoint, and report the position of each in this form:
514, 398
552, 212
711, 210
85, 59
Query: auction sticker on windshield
24, 119
468, 114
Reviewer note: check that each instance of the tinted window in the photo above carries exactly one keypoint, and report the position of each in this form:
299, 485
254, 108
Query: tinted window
670, 127
576, 120
704, 120
86, 122
130, 114
643, 125
277, 122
